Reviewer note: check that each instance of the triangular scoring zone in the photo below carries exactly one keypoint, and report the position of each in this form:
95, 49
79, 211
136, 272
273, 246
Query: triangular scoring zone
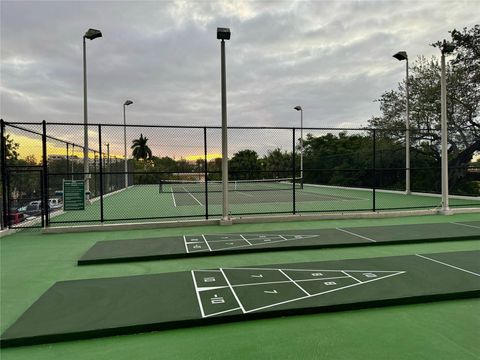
250, 239
270, 285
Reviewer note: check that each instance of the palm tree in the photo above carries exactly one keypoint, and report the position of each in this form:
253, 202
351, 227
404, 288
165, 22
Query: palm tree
141, 149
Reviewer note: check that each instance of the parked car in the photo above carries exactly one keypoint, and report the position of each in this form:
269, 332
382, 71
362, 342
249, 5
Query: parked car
54, 204
16, 216
33, 210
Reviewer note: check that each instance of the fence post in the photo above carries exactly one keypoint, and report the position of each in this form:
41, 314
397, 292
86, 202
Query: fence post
205, 164
374, 172
3, 150
293, 171
100, 166
46, 206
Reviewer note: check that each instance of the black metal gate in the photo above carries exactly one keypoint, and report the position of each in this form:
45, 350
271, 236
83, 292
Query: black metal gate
24, 201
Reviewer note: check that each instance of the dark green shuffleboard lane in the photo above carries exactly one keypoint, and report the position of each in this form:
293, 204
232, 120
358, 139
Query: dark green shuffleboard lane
204, 245
124, 305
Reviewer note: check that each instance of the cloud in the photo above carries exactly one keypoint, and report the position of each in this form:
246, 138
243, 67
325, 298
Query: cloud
331, 57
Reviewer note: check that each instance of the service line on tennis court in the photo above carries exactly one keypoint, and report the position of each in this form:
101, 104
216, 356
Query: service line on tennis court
173, 198
443, 263
239, 192
358, 235
189, 193
468, 225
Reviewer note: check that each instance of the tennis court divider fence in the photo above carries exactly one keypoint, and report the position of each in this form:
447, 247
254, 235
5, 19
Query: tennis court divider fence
174, 172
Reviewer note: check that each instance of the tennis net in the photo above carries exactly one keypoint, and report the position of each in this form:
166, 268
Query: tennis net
193, 186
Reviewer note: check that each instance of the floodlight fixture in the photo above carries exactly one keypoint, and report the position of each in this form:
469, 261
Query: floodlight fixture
128, 102
223, 33
298, 108
401, 55
92, 34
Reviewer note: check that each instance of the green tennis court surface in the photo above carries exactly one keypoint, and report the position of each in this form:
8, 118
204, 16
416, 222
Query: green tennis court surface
147, 202
204, 245
110, 306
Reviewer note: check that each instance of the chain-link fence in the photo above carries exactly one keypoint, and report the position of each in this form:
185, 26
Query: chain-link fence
63, 173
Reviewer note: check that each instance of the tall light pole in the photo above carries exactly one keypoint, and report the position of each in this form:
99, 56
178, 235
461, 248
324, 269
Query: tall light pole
91, 34
402, 55
299, 108
445, 48
128, 102
224, 34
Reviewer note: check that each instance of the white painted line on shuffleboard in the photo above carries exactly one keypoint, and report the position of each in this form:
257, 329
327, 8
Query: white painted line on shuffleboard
468, 225
360, 236
452, 266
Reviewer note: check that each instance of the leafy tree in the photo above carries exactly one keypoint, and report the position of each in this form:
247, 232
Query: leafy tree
215, 169
463, 104
244, 165
343, 160
11, 149
141, 151
277, 164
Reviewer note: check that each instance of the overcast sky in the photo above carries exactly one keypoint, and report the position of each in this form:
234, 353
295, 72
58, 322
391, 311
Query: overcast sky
334, 58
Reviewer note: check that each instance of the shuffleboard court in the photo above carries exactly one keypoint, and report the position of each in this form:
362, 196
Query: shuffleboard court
124, 305
204, 245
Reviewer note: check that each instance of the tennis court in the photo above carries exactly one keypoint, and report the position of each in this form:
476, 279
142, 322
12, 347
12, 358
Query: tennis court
278, 196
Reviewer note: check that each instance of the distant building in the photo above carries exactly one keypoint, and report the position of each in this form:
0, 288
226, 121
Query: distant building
74, 158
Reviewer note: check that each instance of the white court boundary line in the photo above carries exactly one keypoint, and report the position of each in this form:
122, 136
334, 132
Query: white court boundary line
357, 235
173, 198
443, 263
468, 225
189, 193
185, 243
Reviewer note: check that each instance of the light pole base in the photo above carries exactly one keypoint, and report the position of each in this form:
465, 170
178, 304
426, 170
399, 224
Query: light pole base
408, 192
226, 221
446, 211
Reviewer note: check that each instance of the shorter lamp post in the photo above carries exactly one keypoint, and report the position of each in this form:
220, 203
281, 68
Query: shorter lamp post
299, 108
128, 102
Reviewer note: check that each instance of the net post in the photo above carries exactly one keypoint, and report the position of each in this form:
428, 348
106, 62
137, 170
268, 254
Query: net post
374, 172
293, 172
100, 167
205, 164
45, 206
